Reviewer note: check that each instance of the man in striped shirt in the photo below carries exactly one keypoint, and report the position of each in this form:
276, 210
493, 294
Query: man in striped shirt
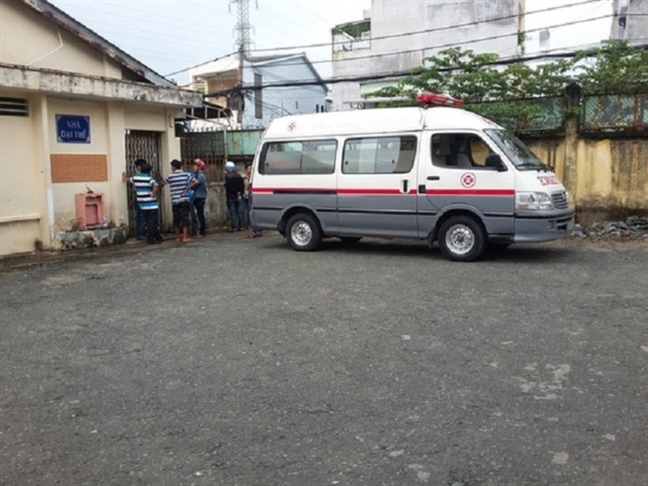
146, 189
179, 183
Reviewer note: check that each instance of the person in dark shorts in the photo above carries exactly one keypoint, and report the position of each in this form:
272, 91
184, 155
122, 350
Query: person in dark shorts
179, 182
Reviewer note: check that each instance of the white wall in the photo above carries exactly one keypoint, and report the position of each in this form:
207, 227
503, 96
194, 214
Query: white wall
401, 53
278, 102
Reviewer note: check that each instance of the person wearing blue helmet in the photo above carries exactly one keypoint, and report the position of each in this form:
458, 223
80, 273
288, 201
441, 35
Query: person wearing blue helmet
234, 189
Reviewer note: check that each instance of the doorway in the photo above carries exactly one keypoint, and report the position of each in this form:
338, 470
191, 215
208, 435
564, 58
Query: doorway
141, 144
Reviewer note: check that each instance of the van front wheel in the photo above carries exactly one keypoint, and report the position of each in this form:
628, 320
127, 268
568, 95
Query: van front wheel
461, 238
303, 232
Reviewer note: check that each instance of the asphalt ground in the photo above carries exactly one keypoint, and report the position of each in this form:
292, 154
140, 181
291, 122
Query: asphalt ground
233, 361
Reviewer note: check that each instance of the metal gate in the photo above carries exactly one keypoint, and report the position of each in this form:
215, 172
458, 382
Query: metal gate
208, 146
145, 145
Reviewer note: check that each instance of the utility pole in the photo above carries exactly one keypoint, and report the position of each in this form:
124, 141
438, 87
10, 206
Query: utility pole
243, 43
521, 27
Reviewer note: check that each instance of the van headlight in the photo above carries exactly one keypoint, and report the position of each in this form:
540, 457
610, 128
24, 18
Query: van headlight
533, 201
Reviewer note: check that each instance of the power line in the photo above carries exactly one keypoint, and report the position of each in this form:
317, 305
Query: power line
396, 74
449, 44
406, 34
437, 29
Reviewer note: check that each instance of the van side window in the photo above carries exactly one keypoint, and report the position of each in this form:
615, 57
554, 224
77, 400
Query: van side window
459, 150
379, 155
298, 157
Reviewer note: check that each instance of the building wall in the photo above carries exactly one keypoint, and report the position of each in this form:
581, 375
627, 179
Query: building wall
390, 52
606, 178
48, 47
278, 102
21, 172
39, 175
630, 22
637, 22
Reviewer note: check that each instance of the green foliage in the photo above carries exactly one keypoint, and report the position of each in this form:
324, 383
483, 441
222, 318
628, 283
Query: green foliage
353, 29
478, 80
613, 68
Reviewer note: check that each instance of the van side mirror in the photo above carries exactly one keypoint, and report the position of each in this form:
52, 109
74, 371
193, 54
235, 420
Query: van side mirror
494, 161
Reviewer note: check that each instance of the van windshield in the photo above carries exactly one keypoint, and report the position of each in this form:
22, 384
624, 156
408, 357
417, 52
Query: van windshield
515, 150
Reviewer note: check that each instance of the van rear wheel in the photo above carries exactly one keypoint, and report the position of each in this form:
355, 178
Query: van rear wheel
462, 239
303, 232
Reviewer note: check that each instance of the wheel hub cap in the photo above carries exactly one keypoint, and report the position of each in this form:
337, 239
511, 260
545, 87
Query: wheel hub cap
460, 239
302, 233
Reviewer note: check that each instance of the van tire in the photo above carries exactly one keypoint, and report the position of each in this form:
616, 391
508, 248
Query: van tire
303, 232
462, 239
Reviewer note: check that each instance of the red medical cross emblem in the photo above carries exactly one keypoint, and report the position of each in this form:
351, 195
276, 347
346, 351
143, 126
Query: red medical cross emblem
468, 179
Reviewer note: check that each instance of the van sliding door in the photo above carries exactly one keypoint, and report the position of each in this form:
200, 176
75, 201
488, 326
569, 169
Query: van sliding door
376, 186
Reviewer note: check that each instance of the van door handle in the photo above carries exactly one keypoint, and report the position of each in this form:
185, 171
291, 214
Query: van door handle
433, 178
405, 186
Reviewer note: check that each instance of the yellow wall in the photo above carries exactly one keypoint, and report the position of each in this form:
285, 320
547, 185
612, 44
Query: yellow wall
64, 210
607, 178
21, 210
32, 206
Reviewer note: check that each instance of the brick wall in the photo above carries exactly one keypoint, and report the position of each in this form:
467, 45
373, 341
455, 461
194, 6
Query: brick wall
79, 167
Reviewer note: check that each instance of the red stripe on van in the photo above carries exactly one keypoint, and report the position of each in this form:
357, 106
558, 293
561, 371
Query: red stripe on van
272, 190
383, 192
344, 192
362, 192
470, 192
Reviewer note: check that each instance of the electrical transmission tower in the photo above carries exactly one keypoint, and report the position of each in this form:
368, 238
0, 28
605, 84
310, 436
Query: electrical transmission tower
243, 27
243, 43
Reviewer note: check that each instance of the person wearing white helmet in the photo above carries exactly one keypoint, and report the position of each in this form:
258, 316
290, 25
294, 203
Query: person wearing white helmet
234, 189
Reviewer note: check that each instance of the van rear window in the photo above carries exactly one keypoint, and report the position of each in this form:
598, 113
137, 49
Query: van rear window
298, 157
379, 155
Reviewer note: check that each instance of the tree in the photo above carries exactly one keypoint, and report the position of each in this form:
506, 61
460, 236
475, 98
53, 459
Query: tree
512, 93
614, 67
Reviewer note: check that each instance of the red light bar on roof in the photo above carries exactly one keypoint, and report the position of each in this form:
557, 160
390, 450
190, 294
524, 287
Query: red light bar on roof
438, 99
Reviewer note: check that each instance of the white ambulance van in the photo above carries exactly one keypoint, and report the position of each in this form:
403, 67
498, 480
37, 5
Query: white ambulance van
435, 173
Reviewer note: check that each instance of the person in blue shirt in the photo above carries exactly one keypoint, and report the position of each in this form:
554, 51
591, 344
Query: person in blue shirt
199, 186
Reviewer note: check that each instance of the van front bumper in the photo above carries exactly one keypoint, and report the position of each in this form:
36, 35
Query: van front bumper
543, 226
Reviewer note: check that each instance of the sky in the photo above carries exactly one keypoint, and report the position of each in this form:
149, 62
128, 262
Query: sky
171, 35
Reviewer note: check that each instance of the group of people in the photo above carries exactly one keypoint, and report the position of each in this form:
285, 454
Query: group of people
188, 196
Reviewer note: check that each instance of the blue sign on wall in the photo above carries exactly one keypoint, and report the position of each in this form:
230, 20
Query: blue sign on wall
72, 129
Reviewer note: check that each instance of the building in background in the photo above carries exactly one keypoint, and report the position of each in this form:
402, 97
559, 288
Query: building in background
75, 111
630, 21
395, 37
259, 80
